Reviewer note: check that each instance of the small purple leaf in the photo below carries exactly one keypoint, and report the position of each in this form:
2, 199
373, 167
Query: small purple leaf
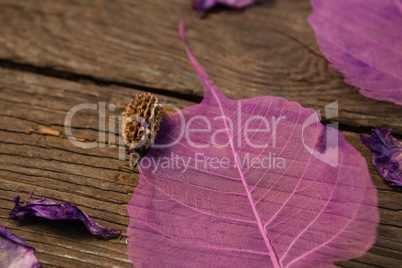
250, 183
387, 154
363, 40
15, 252
46, 208
204, 5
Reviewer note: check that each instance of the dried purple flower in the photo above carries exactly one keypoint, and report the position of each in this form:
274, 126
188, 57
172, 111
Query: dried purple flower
204, 5
387, 154
46, 208
15, 252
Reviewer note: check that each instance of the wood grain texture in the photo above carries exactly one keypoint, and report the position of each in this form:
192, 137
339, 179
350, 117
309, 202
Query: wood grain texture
107, 51
35, 155
267, 49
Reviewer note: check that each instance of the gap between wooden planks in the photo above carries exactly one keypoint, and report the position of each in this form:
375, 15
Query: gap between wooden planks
91, 47
35, 155
267, 49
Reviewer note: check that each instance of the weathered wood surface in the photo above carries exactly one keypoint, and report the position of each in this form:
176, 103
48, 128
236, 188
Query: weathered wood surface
35, 155
269, 49
109, 51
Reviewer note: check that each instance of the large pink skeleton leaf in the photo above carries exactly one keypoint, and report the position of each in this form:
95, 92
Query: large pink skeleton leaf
363, 40
250, 183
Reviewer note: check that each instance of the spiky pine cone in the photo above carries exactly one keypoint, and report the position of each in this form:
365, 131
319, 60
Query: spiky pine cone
141, 122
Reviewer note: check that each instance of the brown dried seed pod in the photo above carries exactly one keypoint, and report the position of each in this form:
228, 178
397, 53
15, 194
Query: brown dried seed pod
141, 121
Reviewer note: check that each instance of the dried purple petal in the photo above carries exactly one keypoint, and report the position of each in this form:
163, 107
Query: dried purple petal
46, 208
387, 154
204, 5
15, 252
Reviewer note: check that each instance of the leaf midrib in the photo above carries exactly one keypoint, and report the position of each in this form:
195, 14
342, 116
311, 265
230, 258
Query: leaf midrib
271, 251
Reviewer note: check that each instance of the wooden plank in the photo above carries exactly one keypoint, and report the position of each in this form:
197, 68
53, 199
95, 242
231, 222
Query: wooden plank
267, 49
35, 155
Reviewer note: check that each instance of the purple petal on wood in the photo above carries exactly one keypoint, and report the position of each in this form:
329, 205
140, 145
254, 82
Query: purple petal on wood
201, 203
204, 5
363, 40
387, 154
15, 252
46, 208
